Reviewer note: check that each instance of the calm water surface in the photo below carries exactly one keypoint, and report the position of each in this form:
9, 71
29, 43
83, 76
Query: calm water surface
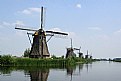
97, 71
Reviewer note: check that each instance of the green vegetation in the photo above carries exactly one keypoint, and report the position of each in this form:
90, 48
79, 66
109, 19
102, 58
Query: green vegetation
117, 60
7, 60
26, 52
40, 62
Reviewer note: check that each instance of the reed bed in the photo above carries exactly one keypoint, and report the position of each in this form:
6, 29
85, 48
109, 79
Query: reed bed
8, 60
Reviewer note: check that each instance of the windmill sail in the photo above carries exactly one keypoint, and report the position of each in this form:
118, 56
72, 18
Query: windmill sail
56, 32
25, 29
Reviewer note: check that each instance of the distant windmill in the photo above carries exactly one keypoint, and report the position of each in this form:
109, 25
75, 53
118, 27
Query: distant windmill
80, 53
88, 55
39, 47
70, 51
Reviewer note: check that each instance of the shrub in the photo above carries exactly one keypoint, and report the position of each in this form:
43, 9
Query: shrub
6, 60
26, 52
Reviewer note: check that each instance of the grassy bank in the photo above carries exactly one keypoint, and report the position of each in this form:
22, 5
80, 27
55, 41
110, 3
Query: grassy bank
8, 60
117, 60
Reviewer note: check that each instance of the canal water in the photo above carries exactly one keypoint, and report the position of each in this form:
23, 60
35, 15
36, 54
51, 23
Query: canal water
96, 71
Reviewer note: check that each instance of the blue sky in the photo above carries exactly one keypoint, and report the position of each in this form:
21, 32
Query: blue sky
95, 25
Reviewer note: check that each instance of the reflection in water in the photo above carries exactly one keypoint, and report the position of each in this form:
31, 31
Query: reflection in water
76, 70
42, 73
87, 66
80, 67
98, 71
39, 75
6, 70
71, 70
35, 73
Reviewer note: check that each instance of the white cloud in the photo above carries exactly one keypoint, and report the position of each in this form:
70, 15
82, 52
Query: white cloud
34, 9
103, 37
70, 34
78, 5
94, 28
0, 26
26, 12
55, 29
20, 33
119, 31
4, 24
30, 10
9, 24
19, 23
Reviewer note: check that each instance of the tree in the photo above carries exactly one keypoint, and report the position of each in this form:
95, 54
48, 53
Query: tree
62, 56
27, 52
53, 56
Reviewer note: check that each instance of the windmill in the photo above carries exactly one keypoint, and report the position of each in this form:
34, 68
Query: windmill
88, 56
80, 53
70, 51
39, 48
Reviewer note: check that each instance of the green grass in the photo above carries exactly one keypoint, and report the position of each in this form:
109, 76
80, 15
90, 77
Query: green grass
39, 62
117, 61
8, 60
